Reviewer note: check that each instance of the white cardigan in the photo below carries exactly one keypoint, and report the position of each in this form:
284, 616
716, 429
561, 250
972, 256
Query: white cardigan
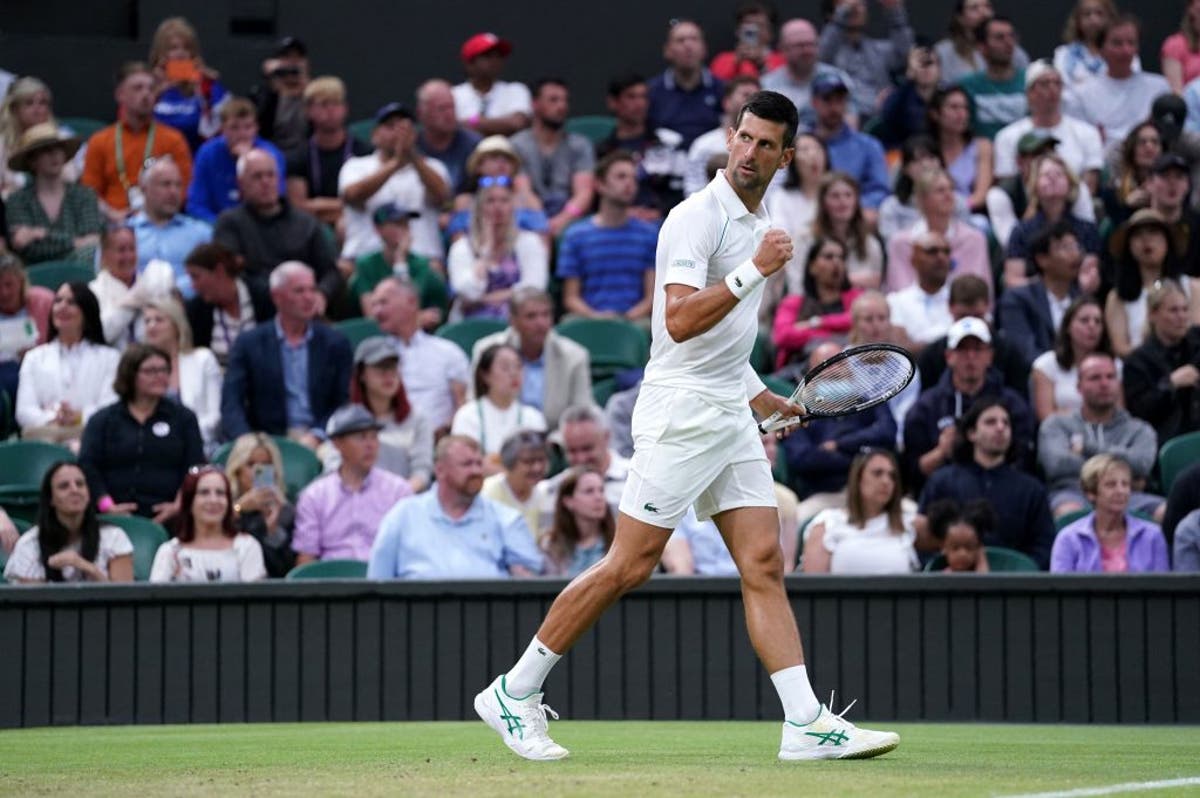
532, 259
200, 390
51, 373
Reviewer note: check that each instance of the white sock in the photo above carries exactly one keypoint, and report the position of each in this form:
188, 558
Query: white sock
800, 706
531, 670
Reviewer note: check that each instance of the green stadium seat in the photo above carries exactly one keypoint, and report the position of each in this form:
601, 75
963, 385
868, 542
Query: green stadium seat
82, 126
300, 465
1176, 455
330, 569
466, 332
22, 466
358, 330
612, 344
999, 560
780, 386
1069, 518
362, 129
53, 273
603, 389
596, 128
145, 535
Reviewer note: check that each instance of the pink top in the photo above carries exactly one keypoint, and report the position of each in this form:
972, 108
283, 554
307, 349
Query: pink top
1176, 47
1113, 559
968, 255
791, 339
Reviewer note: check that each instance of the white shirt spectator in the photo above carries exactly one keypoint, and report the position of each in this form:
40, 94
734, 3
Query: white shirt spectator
924, 317
26, 559
1065, 381
120, 315
792, 210
428, 366
1113, 105
874, 549
52, 373
491, 426
200, 391
406, 190
179, 562
1078, 143
502, 99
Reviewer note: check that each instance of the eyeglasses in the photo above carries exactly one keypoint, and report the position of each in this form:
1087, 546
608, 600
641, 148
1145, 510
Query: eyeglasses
154, 371
499, 180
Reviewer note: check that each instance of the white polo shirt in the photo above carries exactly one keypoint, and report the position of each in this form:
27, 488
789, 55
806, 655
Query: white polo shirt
924, 317
1078, 144
405, 189
704, 238
502, 99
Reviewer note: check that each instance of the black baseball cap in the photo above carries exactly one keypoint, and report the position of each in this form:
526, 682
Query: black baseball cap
291, 45
392, 109
1168, 161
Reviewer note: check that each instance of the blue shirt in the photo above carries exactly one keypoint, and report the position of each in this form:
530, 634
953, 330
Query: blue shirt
609, 262
710, 555
185, 112
214, 178
295, 379
417, 540
453, 157
689, 112
861, 157
533, 382
170, 242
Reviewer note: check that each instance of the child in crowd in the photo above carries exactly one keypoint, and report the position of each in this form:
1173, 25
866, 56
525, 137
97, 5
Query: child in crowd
960, 528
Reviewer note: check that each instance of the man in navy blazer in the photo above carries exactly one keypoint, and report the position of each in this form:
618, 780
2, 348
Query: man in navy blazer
286, 377
1030, 314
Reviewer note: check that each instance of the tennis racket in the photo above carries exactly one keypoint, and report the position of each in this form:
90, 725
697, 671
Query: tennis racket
849, 382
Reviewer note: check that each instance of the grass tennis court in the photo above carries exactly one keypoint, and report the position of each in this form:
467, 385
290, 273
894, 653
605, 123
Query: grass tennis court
614, 758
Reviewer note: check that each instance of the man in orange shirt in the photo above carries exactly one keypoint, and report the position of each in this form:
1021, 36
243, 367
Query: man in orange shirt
117, 154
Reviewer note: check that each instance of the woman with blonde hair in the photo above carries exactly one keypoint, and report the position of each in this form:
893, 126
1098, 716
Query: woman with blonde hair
495, 257
1052, 189
260, 506
27, 103
195, 374
189, 92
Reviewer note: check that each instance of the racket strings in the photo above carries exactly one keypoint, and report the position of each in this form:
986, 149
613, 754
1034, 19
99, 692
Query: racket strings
855, 382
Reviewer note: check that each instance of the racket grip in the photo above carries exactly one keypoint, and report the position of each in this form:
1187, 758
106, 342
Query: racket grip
778, 422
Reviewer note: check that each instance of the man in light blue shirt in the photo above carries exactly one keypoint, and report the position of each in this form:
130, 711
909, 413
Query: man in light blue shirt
163, 233
856, 154
450, 531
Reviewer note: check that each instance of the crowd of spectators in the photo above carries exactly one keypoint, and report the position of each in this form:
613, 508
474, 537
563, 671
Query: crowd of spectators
1025, 224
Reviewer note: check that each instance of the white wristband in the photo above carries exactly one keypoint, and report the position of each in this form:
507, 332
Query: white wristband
744, 279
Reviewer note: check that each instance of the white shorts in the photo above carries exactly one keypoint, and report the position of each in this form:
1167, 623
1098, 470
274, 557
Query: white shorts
687, 452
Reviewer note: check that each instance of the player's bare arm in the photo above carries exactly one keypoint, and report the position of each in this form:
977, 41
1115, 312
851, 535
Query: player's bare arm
691, 312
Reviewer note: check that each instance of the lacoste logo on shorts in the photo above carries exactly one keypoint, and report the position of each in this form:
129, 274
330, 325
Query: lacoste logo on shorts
650, 508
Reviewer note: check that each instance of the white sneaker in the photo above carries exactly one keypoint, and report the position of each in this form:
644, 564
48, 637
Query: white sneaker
520, 722
830, 736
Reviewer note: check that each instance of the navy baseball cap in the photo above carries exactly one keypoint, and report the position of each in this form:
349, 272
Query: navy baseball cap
392, 109
829, 83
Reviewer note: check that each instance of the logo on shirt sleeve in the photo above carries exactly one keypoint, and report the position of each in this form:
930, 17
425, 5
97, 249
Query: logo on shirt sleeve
683, 263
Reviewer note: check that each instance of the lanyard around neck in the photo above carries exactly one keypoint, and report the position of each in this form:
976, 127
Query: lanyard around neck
120, 145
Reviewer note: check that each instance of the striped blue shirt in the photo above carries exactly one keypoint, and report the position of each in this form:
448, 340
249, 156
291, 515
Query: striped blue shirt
609, 262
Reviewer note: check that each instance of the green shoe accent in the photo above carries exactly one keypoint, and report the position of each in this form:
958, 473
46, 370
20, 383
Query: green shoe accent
835, 737
504, 687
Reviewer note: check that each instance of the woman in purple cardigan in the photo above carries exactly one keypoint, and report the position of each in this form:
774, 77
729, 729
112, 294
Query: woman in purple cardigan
1109, 539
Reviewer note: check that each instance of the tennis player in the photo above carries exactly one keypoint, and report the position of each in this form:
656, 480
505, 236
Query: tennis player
696, 443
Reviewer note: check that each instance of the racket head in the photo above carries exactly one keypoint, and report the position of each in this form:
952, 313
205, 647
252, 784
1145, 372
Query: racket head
855, 379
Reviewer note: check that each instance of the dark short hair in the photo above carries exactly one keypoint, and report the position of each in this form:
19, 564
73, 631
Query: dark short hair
747, 8
964, 450
621, 83
981, 32
187, 497
1120, 21
1045, 238
976, 513
210, 256
914, 147
89, 306
131, 68
1064, 353
968, 289
814, 251
125, 383
609, 160
542, 83
773, 107
735, 83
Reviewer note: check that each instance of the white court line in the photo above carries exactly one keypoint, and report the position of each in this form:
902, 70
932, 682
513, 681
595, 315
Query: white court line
1114, 789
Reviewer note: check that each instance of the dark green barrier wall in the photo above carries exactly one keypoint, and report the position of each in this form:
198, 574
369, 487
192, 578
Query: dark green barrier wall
998, 648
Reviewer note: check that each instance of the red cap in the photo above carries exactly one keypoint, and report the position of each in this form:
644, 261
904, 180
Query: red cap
481, 43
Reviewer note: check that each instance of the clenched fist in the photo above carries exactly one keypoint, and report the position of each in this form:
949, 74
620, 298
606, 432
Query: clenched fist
774, 251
